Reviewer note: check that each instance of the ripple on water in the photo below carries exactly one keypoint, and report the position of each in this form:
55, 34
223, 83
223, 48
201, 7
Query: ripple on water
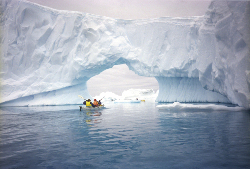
130, 135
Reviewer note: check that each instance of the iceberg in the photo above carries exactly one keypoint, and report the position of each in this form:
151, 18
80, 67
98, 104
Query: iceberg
131, 95
127, 101
107, 97
176, 106
140, 94
48, 55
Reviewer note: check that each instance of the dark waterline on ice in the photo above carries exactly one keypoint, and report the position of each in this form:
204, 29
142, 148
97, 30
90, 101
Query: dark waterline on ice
123, 136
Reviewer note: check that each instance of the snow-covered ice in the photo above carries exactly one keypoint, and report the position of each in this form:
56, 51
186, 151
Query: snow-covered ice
140, 94
48, 55
176, 106
108, 96
127, 101
148, 95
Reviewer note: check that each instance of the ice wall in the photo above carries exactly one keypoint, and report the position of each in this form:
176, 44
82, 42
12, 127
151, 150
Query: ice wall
185, 89
49, 53
225, 67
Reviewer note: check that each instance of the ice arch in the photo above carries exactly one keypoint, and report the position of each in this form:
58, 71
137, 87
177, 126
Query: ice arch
48, 55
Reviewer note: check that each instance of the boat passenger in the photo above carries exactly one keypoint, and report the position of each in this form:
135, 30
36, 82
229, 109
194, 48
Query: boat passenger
95, 103
99, 103
88, 103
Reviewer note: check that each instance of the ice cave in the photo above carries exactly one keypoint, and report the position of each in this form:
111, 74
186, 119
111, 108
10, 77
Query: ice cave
48, 55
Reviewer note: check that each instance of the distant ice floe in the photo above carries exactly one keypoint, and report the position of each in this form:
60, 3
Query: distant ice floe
127, 101
107, 97
177, 106
129, 96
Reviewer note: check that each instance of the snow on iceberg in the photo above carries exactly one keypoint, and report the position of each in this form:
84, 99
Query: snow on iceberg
48, 55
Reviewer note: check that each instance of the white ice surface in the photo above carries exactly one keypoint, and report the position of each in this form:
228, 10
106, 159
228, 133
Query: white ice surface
48, 55
127, 101
148, 95
140, 94
198, 107
108, 96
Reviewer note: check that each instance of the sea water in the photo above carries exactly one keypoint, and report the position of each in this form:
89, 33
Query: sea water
123, 135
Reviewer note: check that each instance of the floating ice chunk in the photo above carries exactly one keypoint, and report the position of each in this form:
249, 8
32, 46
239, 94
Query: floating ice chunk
107, 96
140, 94
127, 101
194, 107
130, 95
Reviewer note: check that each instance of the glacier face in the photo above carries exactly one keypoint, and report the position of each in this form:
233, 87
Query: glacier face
184, 89
49, 55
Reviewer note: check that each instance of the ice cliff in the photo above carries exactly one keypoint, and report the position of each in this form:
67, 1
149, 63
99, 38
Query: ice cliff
48, 55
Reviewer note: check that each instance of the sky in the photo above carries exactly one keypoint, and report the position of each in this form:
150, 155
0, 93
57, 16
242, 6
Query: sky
120, 78
131, 9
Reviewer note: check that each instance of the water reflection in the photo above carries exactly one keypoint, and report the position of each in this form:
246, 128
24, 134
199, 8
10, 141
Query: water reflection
92, 118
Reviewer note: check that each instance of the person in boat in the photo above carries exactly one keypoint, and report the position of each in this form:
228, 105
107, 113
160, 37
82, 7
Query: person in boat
95, 103
88, 103
99, 103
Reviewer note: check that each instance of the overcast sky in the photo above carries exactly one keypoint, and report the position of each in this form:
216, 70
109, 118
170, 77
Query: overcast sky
131, 9
120, 78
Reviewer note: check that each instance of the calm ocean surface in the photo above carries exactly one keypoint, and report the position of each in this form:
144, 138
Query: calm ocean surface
122, 136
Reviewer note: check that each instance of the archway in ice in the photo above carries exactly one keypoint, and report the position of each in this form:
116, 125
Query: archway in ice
50, 56
118, 79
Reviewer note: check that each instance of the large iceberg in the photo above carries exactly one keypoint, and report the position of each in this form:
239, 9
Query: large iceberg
48, 55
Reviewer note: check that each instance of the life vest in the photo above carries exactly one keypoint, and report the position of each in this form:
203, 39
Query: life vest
88, 104
95, 103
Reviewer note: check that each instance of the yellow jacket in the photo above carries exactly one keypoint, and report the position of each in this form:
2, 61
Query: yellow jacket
88, 104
